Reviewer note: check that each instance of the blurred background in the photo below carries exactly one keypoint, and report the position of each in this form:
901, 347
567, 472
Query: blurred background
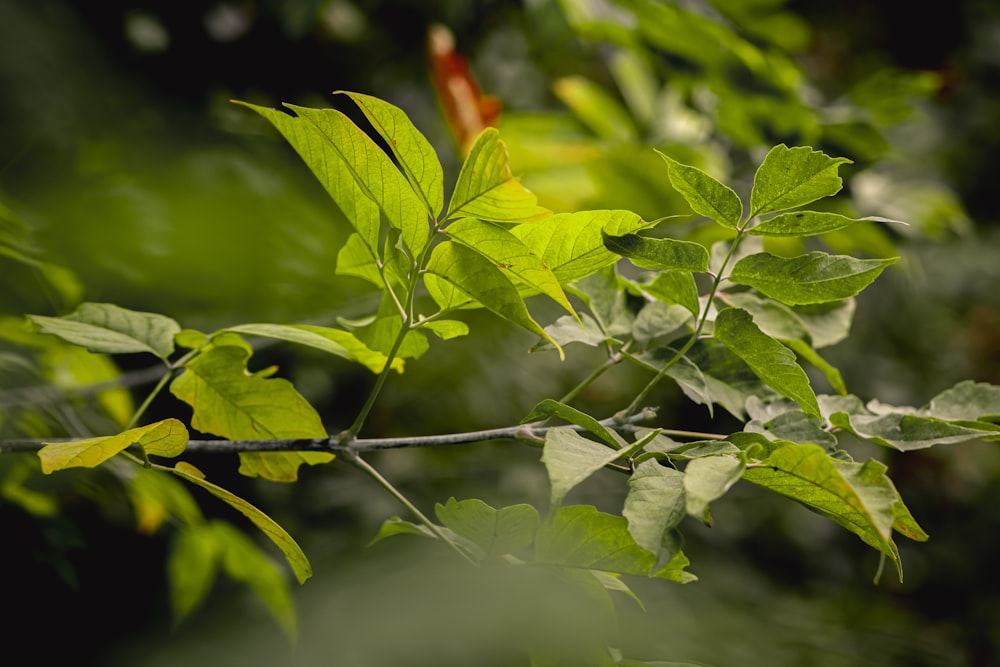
128, 176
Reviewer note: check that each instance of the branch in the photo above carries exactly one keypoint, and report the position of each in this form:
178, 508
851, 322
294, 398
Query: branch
532, 433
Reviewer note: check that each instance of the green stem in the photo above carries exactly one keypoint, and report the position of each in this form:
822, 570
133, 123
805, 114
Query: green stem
359, 421
637, 402
613, 359
171, 368
355, 460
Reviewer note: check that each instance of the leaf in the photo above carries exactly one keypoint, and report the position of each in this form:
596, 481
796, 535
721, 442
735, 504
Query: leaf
857, 496
446, 329
104, 327
163, 438
580, 536
707, 479
771, 361
244, 562
570, 458
907, 432
815, 277
355, 258
566, 330
832, 375
411, 149
397, 526
479, 278
791, 177
293, 554
827, 323
510, 254
233, 404
550, 408
660, 254
967, 400
571, 244
192, 566
657, 320
704, 194
353, 168
486, 189
335, 341
802, 223
157, 498
496, 532
674, 287
654, 503
595, 108
773, 318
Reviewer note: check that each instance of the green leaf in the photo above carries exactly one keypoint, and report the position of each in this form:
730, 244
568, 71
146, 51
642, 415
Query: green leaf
771, 361
324, 155
233, 404
707, 479
832, 375
335, 341
571, 244
815, 277
356, 258
907, 432
570, 458
660, 254
446, 329
397, 526
192, 566
580, 536
566, 330
802, 223
704, 194
244, 562
486, 189
411, 149
157, 498
654, 504
510, 254
104, 327
657, 320
550, 408
380, 333
674, 287
827, 323
595, 108
480, 279
293, 554
496, 532
352, 167
163, 438
857, 496
791, 177
773, 318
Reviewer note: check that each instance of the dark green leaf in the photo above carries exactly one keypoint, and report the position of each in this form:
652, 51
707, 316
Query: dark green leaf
802, 223
815, 277
705, 195
771, 361
550, 408
654, 504
660, 254
496, 532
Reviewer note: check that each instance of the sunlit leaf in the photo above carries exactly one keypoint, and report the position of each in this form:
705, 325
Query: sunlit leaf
771, 361
335, 341
446, 329
231, 403
495, 531
483, 281
487, 190
858, 496
510, 254
571, 244
355, 258
163, 438
411, 149
104, 327
674, 287
791, 177
603, 114
704, 194
296, 558
707, 479
660, 254
815, 277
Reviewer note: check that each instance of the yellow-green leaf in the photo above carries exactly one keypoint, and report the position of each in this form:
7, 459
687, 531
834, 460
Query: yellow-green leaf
163, 438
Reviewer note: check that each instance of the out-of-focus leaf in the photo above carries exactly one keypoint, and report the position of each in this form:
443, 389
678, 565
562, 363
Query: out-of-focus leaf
104, 327
599, 111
